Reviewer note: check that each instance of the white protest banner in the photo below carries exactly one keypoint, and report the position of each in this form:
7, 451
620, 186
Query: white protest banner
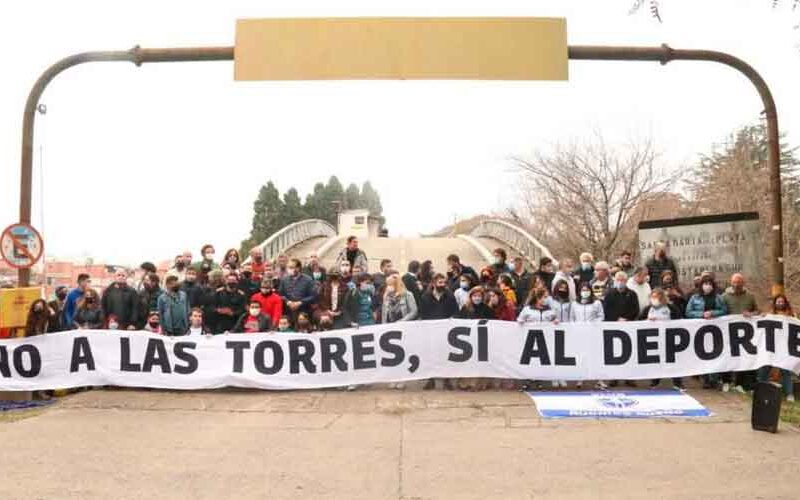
400, 352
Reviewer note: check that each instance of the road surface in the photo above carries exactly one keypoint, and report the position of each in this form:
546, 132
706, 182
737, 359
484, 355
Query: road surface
380, 444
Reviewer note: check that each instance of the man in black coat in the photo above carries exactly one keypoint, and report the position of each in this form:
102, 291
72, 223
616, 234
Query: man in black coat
439, 302
621, 303
229, 305
122, 301
456, 270
411, 280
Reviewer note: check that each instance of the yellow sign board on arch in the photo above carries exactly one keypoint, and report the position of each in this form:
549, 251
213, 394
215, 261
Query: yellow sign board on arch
480, 48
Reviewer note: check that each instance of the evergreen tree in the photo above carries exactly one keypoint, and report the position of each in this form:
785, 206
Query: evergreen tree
352, 198
371, 199
292, 208
267, 209
315, 203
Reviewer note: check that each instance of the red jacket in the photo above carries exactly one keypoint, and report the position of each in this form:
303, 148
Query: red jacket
271, 305
507, 312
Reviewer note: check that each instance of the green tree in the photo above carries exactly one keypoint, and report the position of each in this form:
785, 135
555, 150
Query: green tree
293, 210
267, 209
352, 197
371, 199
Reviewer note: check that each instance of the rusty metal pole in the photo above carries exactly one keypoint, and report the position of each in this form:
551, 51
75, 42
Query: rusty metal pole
665, 54
135, 55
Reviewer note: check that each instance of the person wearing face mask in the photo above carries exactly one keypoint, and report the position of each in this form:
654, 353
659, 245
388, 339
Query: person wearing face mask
465, 285
39, 316
332, 299
232, 259
559, 302
659, 309
545, 273
207, 263
588, 308
89, 315
247, 284
178, 269
148, 297
565, 273
621, 304
707, 303
122, 301
475, 306
152, 323
585, 270
359, 303
325, 322
304, 324
57, 305
270, 302
398, 303
316, 272
438, 302
499, 264
173, 309
659, 263
254, 320
297, 291
192, 289
229, 305
639, 283
456, 271
675, 296
781, 307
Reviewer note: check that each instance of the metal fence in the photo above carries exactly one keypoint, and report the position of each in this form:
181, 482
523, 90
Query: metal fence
294, 234
515, 237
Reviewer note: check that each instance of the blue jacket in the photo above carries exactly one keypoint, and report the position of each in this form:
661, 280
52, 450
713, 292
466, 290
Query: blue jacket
173, 310
71, 306
696, 306
298, 289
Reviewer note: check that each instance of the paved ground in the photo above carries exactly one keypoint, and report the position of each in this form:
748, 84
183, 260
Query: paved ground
381, 444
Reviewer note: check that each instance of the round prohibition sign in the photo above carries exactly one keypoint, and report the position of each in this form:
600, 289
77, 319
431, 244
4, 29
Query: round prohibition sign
21, 246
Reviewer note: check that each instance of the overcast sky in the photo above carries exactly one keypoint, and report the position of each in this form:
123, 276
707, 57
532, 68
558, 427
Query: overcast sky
140, 163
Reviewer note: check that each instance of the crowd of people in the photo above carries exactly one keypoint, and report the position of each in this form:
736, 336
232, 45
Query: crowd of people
206, 297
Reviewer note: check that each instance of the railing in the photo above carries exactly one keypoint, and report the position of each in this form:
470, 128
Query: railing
515, 237
293, 235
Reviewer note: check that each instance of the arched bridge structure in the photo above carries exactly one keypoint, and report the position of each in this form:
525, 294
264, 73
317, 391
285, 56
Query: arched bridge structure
314, 236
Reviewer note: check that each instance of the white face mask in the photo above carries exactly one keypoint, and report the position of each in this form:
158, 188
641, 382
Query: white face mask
585, 294
464, 285
113, 326
255, 311
498, 259
655, 302
209, 256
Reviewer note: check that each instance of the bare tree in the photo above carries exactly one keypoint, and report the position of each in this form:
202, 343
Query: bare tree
583, 197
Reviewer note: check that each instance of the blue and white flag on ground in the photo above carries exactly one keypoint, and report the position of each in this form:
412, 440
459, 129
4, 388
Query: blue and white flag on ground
612, 404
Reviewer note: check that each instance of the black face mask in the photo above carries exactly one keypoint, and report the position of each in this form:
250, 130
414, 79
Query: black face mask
247, 274
180, 266
231, 285
175, 288
61, 295
90, 300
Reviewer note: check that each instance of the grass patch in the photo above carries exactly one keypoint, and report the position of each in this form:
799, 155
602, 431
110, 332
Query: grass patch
790, 413
16, 415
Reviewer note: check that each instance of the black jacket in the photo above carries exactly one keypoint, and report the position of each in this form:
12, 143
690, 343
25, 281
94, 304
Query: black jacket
236, 301
121, 301
454, 279
194, 294
621, 304
656, 267
547, 278
410, 281
148, 301
264, 323
522, 286
431, 308
481, 311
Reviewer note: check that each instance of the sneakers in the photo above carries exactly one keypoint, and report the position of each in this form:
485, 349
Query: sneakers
400, 386
555, 384
790, 398
601, 386
579, 385
351, 388
679, 388
654, 385
726, 387
739, 389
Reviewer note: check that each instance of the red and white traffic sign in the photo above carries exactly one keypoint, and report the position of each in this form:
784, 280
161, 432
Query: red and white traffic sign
21, 246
